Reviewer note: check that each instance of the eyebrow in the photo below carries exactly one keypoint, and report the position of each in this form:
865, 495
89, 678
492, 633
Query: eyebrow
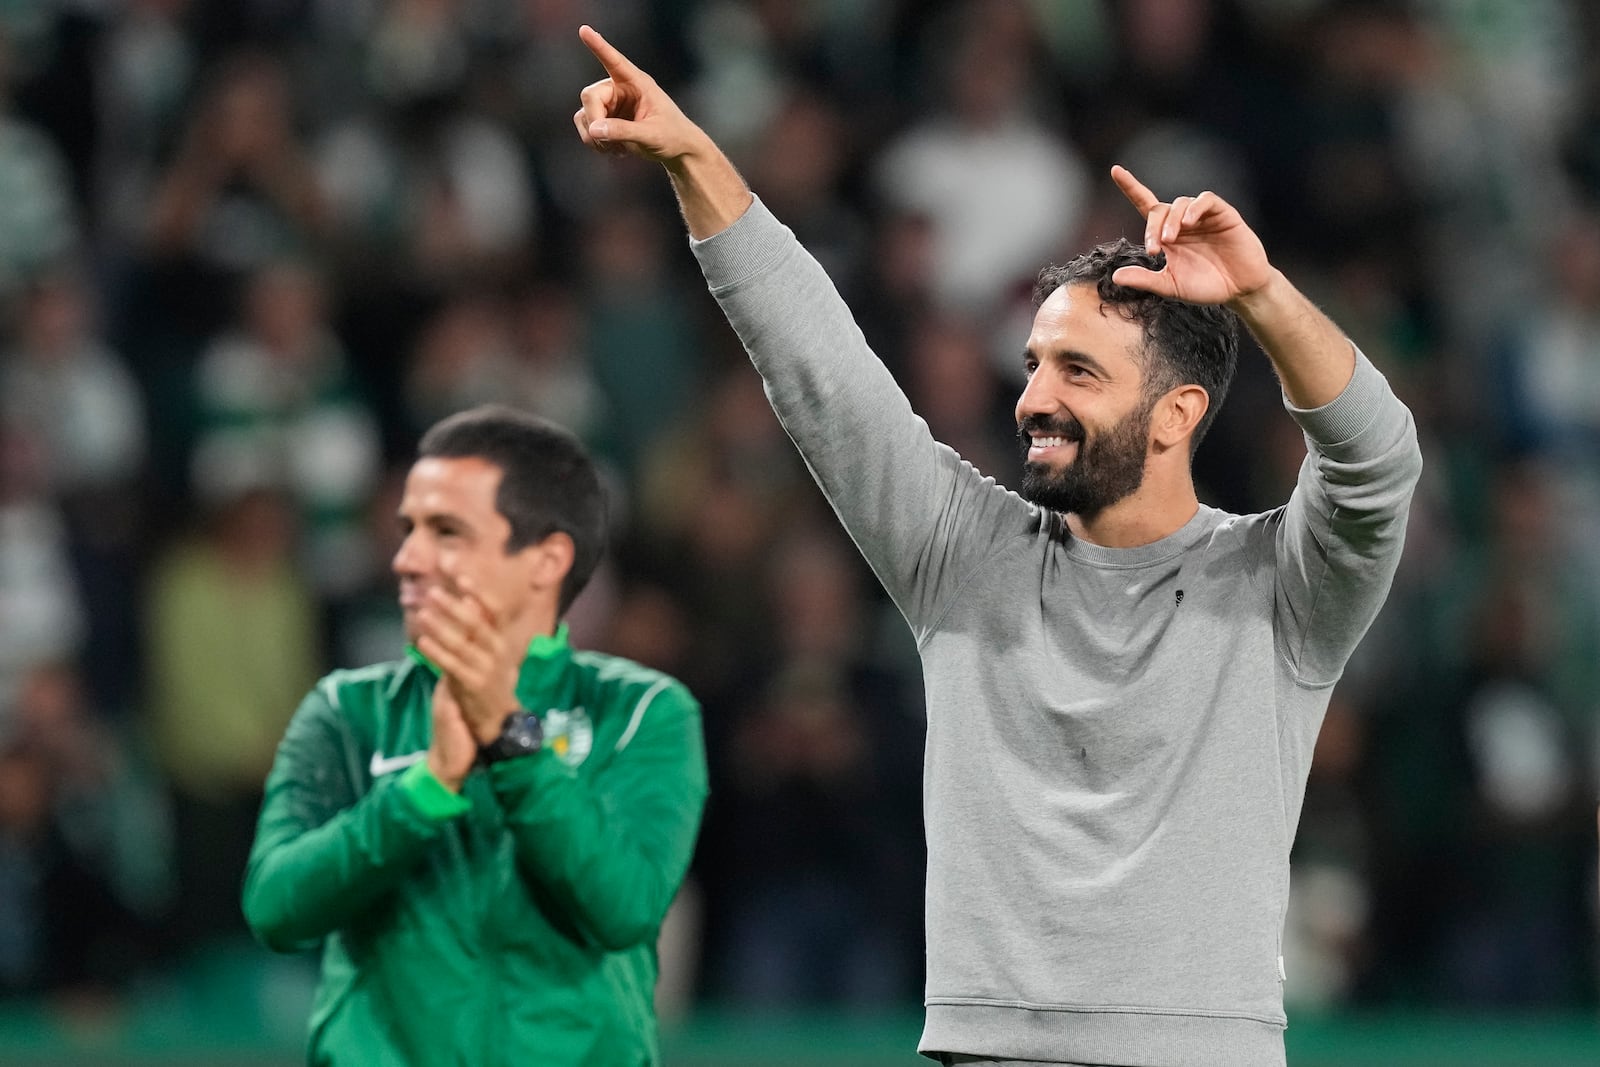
1070, 355
433, 518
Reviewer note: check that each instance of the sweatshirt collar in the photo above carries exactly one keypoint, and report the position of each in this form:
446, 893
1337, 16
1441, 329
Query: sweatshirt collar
1198, 526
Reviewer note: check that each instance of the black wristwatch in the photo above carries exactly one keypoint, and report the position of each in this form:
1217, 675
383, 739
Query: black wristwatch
520, 735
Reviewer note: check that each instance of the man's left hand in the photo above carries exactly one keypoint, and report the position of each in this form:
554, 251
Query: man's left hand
1213, 256
461, 633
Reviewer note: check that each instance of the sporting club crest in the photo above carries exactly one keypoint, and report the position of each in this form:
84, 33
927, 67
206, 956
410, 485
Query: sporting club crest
569, 734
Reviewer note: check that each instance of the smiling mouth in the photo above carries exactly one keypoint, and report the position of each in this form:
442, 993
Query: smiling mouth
1041, 446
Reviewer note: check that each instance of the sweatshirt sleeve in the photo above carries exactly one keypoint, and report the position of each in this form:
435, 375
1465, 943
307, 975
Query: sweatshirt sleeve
1340, 536
320, 854
608, 852
923, 518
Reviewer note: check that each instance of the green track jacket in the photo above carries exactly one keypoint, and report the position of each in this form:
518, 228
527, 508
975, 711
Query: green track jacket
514, 923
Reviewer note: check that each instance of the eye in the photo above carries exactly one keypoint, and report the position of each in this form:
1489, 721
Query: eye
1029, 365
1077, 370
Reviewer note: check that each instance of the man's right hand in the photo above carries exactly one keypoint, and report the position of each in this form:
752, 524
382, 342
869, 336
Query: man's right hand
454, 748
628, 113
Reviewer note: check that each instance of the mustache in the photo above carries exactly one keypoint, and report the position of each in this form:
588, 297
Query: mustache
1064, 426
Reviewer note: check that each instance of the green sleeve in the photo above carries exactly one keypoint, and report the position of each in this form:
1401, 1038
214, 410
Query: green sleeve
322, 854
610, 851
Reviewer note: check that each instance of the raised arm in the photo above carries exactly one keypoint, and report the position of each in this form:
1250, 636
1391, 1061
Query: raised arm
1336, 544
922, 518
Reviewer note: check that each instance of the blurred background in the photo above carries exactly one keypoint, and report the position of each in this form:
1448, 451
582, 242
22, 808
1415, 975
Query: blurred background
249, 249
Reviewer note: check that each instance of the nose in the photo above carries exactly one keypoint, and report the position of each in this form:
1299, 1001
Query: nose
409, 558
1036, 399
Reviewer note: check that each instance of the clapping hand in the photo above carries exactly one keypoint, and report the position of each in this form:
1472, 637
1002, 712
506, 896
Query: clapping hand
460, 631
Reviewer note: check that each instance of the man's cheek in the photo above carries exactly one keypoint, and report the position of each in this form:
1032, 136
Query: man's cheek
450, 568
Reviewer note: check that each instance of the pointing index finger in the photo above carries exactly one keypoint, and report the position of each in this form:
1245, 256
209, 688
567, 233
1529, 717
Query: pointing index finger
617, 65
1138, 194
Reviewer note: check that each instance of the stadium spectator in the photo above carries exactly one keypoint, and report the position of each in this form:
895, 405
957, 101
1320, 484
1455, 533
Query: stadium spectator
145, 63
85, 845
239, 193
65, 390
277, 406
640, 336
1002, 190
41, 606
231, 643
816, 848
951, 381
68, 391
39, 223
462, 359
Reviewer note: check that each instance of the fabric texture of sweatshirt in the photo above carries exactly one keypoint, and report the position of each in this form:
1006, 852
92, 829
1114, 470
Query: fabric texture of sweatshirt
1118, 739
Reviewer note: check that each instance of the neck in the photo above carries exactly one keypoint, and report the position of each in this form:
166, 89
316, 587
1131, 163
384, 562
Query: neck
544, 623
1159, 508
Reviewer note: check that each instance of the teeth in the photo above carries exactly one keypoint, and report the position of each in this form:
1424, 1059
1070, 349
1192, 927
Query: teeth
1048, 442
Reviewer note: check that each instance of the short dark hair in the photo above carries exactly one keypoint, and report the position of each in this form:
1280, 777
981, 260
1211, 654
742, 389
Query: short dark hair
548, 484
1184, 343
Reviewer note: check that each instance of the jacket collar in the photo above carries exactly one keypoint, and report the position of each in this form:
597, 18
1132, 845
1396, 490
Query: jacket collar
547, 657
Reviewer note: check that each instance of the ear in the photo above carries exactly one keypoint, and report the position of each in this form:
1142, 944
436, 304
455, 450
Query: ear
548, 562
1176, 416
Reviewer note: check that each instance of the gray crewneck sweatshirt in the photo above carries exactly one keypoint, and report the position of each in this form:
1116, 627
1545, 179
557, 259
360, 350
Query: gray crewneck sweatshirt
1118, 739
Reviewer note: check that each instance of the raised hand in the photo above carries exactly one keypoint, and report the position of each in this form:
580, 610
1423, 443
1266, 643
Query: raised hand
454, 748
459, 631
1213, 256
627, 112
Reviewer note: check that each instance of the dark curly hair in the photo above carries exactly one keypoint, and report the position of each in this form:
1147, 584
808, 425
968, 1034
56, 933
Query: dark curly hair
1184, 343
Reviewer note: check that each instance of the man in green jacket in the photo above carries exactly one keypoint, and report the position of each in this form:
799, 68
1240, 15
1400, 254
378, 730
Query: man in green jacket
485, 835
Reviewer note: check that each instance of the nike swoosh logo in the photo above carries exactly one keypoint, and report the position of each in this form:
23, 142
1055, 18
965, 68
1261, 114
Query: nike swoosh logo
382, 764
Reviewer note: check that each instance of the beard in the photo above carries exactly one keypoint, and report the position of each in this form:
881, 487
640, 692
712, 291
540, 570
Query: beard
1108, 467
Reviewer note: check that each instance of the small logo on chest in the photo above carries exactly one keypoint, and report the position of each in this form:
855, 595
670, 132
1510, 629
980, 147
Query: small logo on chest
569, 734
382, 765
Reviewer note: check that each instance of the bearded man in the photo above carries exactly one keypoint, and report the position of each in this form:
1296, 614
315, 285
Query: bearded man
1124, 685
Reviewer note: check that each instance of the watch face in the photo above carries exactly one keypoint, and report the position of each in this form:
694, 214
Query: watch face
527, 731
521, 736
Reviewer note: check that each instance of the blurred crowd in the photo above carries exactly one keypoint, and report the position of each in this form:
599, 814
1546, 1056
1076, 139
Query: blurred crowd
249, 249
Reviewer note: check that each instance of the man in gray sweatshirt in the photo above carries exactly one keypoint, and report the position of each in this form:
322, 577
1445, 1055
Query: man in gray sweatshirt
1124, 685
